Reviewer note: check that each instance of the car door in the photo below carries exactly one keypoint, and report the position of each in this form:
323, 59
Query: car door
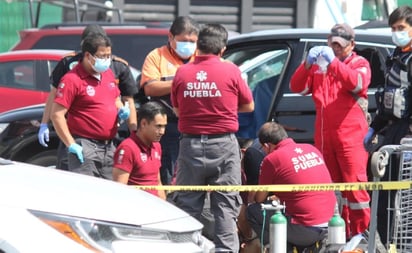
263, 65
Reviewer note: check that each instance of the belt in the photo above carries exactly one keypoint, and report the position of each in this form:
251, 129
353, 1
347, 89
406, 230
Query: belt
100, 142
205, 136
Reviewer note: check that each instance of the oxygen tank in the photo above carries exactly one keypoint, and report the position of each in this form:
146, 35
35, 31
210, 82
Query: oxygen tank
336, 228
278, 233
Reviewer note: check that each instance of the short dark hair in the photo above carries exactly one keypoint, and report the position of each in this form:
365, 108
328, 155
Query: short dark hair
183, 25
95, 40
212, 39
149, 110
90, 29
402, 12
272, 132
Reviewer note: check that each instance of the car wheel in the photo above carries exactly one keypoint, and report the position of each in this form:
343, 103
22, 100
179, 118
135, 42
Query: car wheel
46, 159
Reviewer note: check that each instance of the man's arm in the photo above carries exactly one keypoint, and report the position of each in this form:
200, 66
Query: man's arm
47, 108
152, 81
132, 120
247, 107
120, 176
261, 196
176, 110
58, 113
157, 88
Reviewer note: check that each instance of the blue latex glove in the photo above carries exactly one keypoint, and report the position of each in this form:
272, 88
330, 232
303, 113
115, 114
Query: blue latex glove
43, 134
77, 150
314, 52
328, 54
124, 112
367, 140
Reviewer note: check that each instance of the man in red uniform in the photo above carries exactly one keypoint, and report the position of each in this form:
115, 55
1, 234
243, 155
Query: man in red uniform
339, 91
91, 99
207, 95
137, 159
158, 71
287, 162
124, 79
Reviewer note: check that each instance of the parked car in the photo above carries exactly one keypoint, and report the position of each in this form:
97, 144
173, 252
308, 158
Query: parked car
47, 210
130, 41
267, 60
24, 76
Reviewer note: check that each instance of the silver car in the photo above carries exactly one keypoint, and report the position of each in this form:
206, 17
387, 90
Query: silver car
48, 210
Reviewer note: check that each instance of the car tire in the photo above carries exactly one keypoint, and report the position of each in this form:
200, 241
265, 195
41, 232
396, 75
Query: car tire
47, 159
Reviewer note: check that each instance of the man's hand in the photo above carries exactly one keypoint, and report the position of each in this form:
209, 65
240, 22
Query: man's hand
367, 141
124, 112
313, 54
328, 54
77, 150
43, 134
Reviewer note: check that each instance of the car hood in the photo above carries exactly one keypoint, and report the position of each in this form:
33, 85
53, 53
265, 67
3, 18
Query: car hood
50, 190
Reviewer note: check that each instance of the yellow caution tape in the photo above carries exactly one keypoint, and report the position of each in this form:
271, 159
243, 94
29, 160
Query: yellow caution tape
369, 186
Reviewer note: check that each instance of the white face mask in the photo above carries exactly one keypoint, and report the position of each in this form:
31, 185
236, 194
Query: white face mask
185, 49
401, 38
101, 65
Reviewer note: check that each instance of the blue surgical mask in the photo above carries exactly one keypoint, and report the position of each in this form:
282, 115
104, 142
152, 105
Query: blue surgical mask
401, 38
101, 65
185, 49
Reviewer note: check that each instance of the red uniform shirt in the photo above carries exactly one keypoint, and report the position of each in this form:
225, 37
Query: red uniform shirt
207, 93
335, 96
140, 161
293, 163
91, 103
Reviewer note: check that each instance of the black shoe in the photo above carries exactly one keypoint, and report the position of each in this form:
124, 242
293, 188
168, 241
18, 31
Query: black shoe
379, 247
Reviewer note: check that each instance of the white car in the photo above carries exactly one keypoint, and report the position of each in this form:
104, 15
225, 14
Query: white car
48, 210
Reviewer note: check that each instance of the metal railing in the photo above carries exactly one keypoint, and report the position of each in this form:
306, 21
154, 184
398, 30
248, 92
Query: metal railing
80, 7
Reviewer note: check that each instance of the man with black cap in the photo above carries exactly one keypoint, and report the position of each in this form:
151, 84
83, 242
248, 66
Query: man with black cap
338, 80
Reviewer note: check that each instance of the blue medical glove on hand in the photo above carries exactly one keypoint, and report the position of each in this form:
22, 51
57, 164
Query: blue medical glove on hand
313, 54
43, 134
328, 54
367, 141
77, 150
124, 112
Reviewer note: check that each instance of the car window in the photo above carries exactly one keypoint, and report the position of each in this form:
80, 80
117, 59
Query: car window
259, 64
261, 67
28, 75
17, 74
376, 55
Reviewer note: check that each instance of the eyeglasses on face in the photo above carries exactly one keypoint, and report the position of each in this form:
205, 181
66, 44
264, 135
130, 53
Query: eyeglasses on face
102, 57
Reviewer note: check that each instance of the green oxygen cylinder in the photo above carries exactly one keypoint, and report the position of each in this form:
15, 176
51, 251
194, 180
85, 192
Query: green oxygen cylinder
336, 228
278, 233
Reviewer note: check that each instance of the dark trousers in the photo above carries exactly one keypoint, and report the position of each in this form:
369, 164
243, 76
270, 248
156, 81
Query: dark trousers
170, 150
297, 235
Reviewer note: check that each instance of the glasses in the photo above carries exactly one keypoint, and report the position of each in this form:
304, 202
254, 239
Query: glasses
103, 57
